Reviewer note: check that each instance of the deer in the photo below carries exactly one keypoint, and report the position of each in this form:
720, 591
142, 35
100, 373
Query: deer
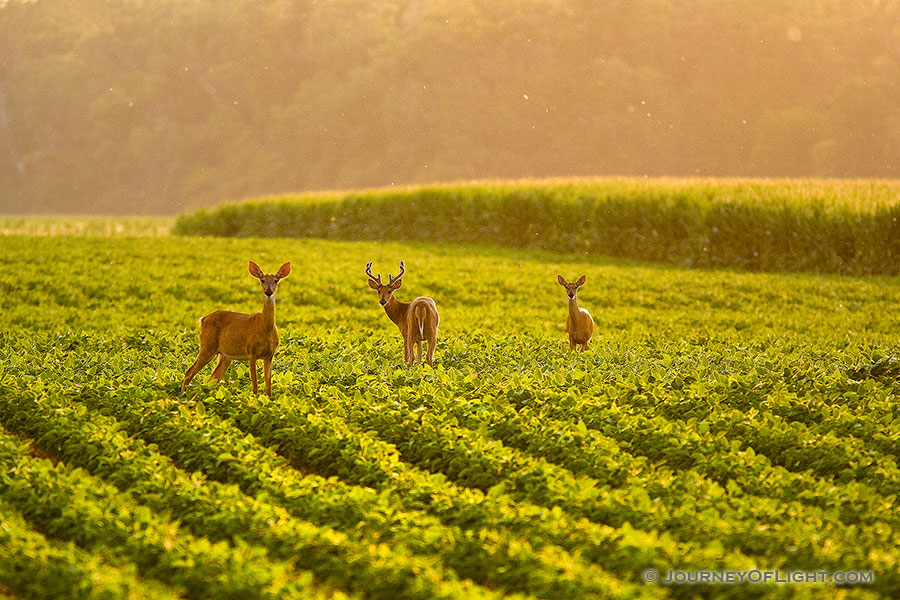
417, 320
241, 336
579, 322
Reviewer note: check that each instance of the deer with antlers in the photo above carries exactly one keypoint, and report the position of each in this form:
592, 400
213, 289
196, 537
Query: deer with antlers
417, 320
579, 322
239, 336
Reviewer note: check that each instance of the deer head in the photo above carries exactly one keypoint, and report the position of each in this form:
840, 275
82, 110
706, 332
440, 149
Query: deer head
385, 290
270, 282
571, 288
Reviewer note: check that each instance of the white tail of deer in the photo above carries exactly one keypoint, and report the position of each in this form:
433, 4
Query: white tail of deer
239, 336
417, 320
579, 322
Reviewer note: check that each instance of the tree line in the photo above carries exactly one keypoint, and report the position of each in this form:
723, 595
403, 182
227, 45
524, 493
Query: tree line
157, 106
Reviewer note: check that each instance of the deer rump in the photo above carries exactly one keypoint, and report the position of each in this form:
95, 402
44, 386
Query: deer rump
421, 319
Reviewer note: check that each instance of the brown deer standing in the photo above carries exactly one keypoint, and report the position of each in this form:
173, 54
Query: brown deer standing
239, 336
579, 323
417, 320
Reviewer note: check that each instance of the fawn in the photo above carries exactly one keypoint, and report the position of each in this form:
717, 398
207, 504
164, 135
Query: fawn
239, 336
418, 320
579, 323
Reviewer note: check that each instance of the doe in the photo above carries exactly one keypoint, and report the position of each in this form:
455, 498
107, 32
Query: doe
417, 320
579, 322
239, 336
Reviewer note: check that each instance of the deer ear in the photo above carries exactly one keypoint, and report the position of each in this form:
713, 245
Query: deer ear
580, 281
373, 285
560, 279
284, 271
255, 270
396, 285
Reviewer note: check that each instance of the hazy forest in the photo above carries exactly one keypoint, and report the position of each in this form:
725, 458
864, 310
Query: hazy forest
157, 106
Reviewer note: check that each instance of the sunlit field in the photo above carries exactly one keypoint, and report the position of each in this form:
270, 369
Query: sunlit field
722, 421
85, 226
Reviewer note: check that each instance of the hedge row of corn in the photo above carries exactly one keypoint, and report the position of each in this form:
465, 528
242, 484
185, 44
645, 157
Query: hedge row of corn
847, 227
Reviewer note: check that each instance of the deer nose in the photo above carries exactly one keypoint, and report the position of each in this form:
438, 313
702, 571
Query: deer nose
269, 292
382, 301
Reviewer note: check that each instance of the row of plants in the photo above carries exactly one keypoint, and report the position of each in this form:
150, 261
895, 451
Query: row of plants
318, 438
633, 502
552, 429
203, 444
222, 512
33, 566
67, 503
826, 226
647, 427
696, 426
691, 419
429, 437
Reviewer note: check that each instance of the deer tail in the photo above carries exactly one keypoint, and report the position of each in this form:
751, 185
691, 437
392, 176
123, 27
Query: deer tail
420, 320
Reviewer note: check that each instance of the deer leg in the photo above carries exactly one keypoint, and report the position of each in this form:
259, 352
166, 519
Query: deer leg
407, 350
584, 346
432, 341
253, 374
571, 342
221, 367
206, 355
267, 371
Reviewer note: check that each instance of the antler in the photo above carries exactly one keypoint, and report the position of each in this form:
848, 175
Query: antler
369, 273
391, 279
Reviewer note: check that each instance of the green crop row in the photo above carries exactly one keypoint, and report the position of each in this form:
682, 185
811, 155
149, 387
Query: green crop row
324, 442
585, 451
574, 444
783, 520
771, 540
672, 403
207, 445
431, 438
698, 430
33, 566
827, 226
220, 512
67, 503
640, 426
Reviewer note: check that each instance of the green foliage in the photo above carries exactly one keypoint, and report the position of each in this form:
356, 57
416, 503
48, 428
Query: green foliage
37, 567
721, 421
788, 225
135, 107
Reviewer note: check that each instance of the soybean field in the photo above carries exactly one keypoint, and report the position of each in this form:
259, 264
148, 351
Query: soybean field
722, 422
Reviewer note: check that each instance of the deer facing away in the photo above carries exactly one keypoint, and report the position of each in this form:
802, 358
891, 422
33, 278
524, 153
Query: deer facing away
579, 322
240, 336
417, 320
